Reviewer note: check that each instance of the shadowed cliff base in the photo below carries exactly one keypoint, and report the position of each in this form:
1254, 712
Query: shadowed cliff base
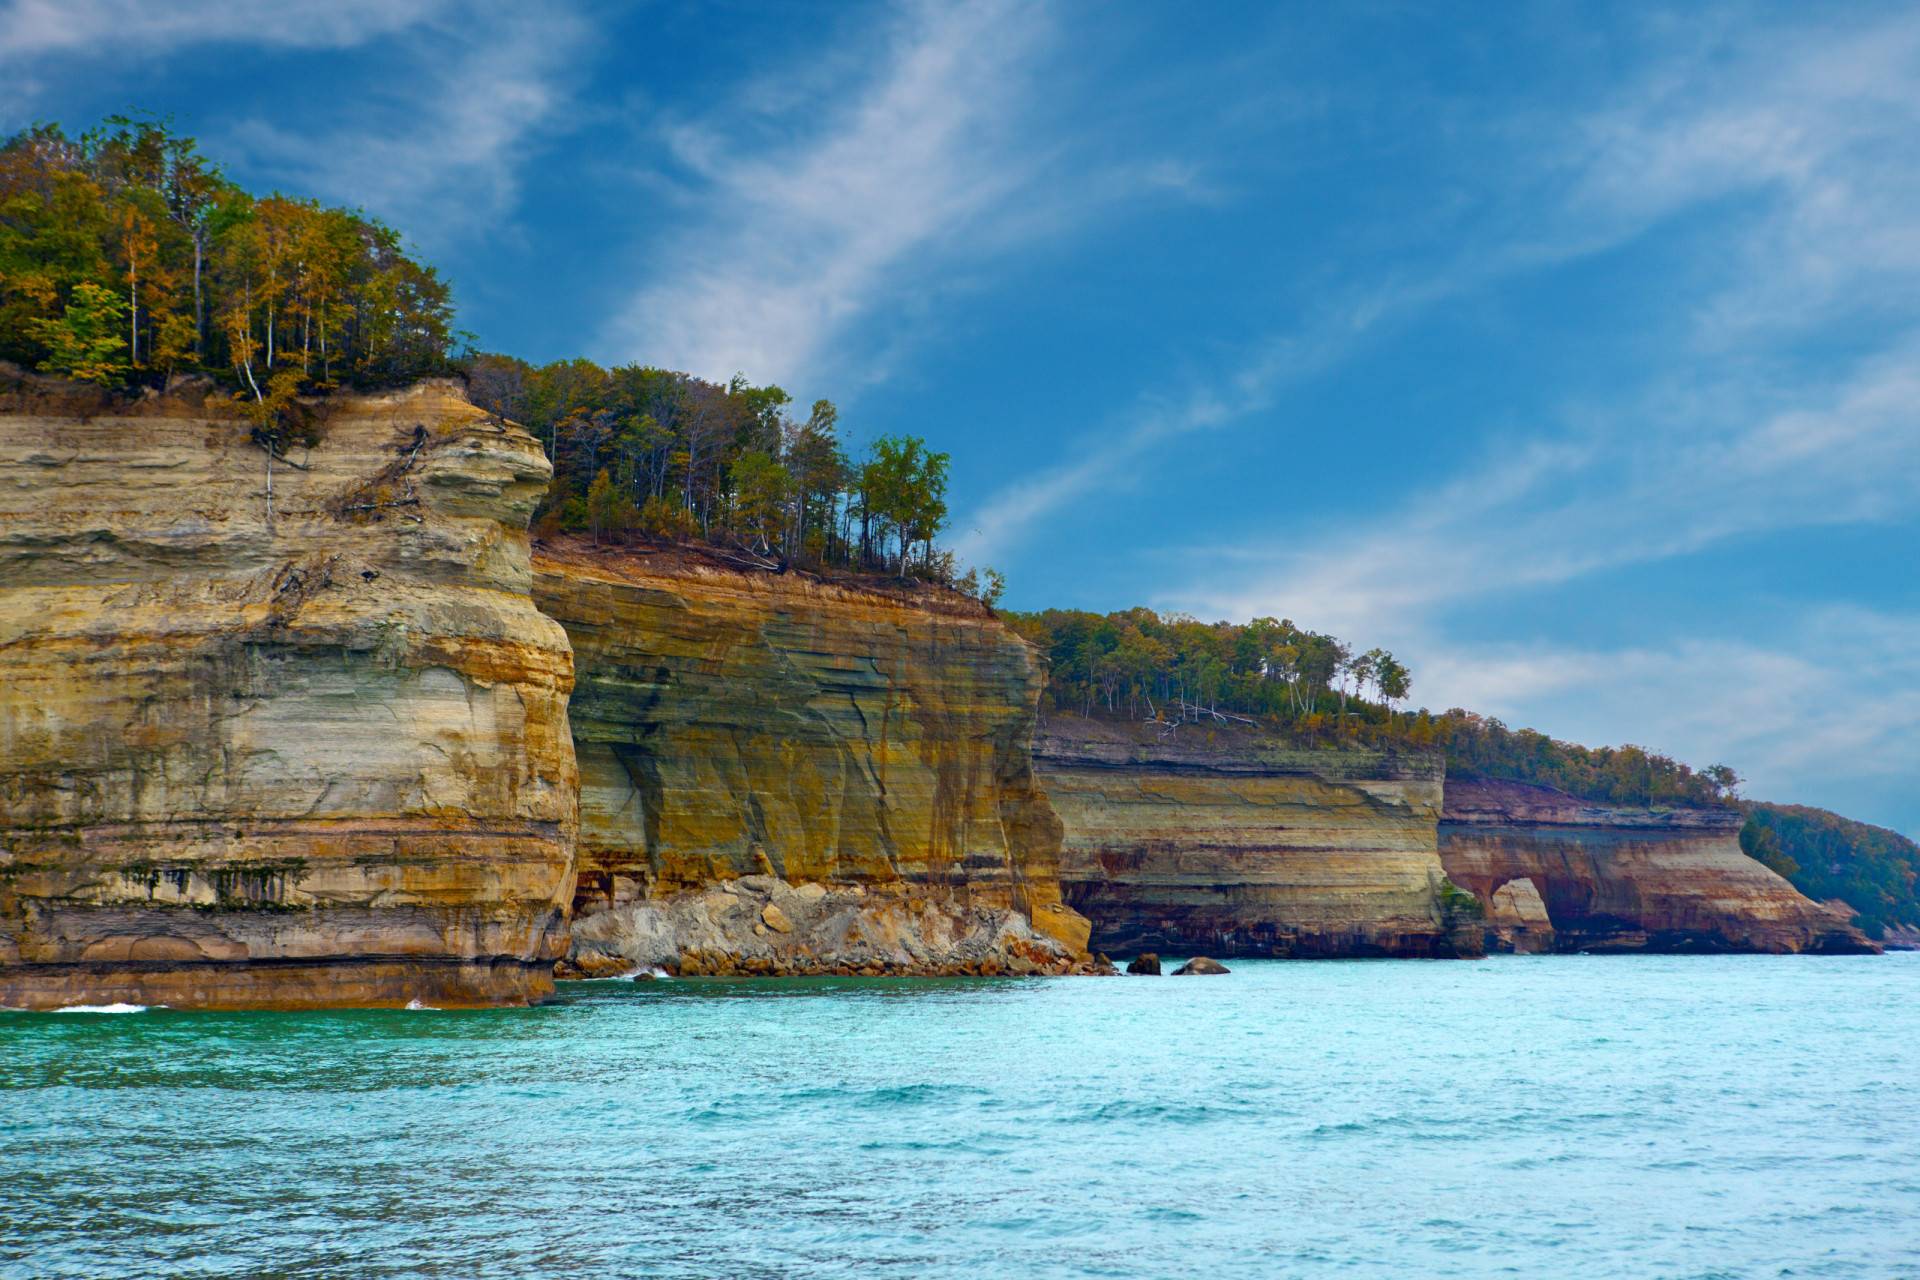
302, 749
1224, 840
1624, 878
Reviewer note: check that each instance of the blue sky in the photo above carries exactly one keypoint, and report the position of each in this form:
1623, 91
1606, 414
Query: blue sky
1571, 351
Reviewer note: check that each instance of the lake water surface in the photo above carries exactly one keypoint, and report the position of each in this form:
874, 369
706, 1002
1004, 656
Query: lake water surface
1533, 1116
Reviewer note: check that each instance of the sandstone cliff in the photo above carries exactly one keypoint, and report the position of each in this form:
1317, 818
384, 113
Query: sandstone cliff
734, 723
321, 758
1222, 842
1616, 878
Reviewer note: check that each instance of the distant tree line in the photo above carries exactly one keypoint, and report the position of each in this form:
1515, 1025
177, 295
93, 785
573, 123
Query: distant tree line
646, 452
1317, 689
1149, 666
1482, 747
127, 256
1871, 869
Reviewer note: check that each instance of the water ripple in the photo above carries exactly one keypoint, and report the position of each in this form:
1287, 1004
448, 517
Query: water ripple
1638, 1116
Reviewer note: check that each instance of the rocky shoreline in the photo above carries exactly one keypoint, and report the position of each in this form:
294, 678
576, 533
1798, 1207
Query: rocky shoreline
763, 926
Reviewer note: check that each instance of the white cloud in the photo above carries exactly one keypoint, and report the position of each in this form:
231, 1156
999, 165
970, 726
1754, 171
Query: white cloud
798, 241
1828, 714
441, 152
1111, 458
32, 29
436, 149
1815, 127
1806, 147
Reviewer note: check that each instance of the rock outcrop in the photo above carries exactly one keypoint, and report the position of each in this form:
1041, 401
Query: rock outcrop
1616, 878
1222, 841
738, 723
1517, 919
308, 754
764, 926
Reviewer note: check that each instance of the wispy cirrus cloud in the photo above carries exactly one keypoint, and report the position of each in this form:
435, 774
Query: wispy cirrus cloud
1802, 148
441, 151
1724, 440
1788, 714
438, 147
795, 242
1812, 128
31, 29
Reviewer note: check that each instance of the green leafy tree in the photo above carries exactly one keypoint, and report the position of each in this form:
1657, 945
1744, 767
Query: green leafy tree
760, 495
85, 342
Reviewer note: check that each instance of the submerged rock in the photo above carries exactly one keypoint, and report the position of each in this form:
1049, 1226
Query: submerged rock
1148, 963
1199, 965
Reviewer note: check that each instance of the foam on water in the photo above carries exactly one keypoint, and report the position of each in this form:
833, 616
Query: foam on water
1561, 1115
102, 1008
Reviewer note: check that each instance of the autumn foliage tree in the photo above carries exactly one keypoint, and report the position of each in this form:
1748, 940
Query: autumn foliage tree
127, 256
646, 452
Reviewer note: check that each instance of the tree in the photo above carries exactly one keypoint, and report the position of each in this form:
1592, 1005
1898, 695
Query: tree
1393, 680
760, 494
83, 342
906, 486
608, 507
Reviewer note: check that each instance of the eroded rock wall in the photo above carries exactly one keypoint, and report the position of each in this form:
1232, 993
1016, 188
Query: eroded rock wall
321, 758
1616, 878
737, 722
1221, 842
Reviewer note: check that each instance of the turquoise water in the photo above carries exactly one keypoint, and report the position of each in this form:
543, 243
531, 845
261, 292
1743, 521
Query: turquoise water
1533, 1116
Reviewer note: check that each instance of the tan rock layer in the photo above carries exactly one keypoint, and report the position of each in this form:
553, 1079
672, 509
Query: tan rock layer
736, 723
1221, 842
1617, 878
318, 759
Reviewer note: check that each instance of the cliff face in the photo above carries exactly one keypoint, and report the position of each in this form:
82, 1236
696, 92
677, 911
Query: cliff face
1222, 843
734, 724
317, 759
1614, 878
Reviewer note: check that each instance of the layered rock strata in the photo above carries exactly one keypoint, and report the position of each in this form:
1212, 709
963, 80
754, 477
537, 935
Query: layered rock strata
732, 722
764, 926
1221, 841
275, 734
1617, 878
